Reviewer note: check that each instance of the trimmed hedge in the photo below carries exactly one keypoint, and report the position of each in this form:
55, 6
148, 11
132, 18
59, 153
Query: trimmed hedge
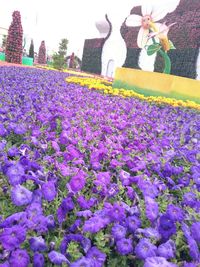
14, 40
183, 61
91, 61
132, 58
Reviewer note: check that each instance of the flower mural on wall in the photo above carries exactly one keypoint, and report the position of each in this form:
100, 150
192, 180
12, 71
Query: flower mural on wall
150, 15
151, 29
162, 33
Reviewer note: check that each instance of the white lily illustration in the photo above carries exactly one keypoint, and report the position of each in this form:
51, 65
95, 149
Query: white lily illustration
162, 33
150, 15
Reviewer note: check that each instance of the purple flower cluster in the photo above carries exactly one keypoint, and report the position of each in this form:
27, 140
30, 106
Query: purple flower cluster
89, 179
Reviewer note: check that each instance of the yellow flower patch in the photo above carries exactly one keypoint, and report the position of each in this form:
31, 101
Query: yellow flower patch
106, 87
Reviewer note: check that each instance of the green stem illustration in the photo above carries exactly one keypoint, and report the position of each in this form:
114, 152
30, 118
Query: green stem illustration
167, 61
166, 58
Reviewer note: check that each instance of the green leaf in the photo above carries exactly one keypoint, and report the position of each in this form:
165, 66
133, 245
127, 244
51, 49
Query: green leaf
152, 49
171, 45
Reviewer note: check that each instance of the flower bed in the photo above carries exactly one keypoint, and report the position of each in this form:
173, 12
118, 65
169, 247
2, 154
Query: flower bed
92, 179
106, 87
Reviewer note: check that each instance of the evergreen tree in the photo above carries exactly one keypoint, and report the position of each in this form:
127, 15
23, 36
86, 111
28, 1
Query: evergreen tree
59, 59
14, 40
31, 50
63, 47
42, 53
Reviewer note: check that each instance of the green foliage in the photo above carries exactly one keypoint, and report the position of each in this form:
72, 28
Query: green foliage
63, 47
101, 241
58, 61
59, 58
152, 49
117, 261
14, 139
73, 250
132, 58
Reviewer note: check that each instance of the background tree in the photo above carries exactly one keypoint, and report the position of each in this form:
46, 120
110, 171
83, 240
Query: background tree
4, 40
31, 50
14, 40
42, 53
59, 58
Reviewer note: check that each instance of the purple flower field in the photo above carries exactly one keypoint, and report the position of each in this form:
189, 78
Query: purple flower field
95, 180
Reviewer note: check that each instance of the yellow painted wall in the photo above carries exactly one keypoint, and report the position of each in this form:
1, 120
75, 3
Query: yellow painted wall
158, 82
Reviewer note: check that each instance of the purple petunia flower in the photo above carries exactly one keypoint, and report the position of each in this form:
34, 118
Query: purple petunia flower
186, 230
96, 256
11, 238
38, 260
49, 190
3, 130
13, 151
55, 146
193, 249
130, 192
190, 264
118, 231
175, 213
50, 222
117, 213
148, 189
20, 258
78, 181
66, 206
158, 262
20, 129
189, 199
133, 222
124, 246
93, 225
2, 144
103, 177
152, 209
37, 244
64, 138
195, 231
5, 264
83, 262
112, 190
167, 250
124, 177
21, 196
148, 233
166, 227
57, 258
86, 204
85, 213
16, 218
15, 173
75, 225
145, 249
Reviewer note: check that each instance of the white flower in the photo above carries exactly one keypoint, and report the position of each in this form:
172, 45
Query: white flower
162, 32
150, 14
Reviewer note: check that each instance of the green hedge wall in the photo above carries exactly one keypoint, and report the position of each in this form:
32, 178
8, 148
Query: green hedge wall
91, 61
183, 62
132, 58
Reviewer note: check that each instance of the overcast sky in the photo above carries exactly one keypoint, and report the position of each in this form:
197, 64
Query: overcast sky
51, 20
